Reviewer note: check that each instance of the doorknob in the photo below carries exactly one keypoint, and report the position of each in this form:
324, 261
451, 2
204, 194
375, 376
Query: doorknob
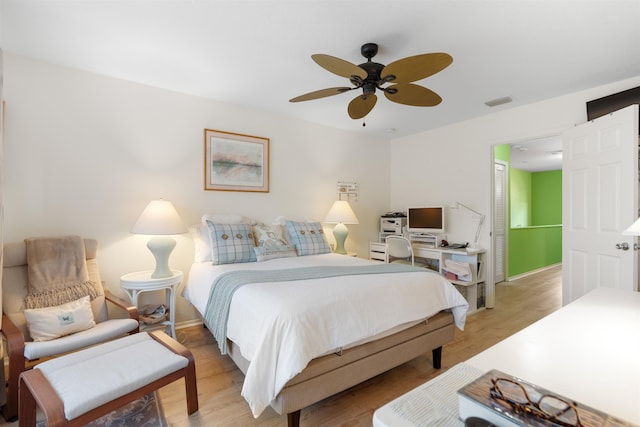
624, 246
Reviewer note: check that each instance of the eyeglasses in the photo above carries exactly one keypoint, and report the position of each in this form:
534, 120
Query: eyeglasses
546, 406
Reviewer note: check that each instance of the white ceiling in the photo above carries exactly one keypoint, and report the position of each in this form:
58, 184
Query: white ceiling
537, 155
257, 53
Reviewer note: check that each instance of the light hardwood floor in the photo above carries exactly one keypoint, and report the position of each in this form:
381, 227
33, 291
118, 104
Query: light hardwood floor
518, 304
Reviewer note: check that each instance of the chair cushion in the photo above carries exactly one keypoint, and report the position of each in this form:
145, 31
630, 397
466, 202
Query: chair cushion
103, 331
87, 379
53, 322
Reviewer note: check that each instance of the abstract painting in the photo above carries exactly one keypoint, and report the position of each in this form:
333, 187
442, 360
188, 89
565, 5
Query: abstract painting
235, 162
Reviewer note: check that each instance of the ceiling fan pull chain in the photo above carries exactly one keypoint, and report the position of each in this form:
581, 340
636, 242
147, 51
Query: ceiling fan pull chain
363, 123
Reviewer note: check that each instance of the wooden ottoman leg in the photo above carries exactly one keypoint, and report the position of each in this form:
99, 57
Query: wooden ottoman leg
191, 387
190, 383
35, 390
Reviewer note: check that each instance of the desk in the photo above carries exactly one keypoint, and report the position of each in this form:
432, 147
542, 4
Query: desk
136, 283
588, 350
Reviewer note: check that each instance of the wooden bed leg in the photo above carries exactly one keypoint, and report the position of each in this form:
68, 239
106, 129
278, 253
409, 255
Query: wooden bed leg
437, 357
293, 419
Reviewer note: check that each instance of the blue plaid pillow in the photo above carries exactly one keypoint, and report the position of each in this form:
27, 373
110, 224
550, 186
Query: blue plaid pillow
231, 243
308, 237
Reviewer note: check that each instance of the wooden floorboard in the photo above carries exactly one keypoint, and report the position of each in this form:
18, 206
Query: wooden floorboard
518, 304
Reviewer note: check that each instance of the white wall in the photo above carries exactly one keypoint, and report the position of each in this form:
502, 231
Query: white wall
455, 163
85, 153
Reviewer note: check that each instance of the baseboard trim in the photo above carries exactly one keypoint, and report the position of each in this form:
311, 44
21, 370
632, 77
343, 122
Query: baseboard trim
529, 273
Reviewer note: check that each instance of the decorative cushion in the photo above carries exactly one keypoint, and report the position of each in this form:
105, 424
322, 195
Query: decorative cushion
308, 238
270, 236
265, 254
271, 242
231, 243
54, 322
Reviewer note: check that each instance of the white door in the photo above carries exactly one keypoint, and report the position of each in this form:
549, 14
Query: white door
599, 201
499, 221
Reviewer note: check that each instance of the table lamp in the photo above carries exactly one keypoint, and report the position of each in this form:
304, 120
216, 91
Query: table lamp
160, 219
341, 214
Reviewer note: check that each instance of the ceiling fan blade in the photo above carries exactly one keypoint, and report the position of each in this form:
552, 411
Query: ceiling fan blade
339, 66
417, 67
410, 94
322, 93
361, 105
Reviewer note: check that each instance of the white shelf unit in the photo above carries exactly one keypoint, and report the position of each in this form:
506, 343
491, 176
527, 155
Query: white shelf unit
473, 290
427, 252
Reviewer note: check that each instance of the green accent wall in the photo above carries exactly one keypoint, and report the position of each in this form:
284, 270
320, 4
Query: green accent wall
520, 202
535, 237
535, 214
546, 198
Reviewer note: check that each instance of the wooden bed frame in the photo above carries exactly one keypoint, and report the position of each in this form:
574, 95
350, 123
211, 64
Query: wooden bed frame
333, 373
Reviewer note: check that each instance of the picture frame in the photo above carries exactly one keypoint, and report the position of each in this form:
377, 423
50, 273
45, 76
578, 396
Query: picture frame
235, 162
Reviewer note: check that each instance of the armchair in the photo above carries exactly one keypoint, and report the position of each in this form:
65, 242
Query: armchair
22, 350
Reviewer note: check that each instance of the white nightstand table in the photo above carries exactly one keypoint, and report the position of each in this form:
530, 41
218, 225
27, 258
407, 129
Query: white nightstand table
136, 283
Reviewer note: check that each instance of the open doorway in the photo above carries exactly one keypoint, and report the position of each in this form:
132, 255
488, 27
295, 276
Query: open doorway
527, 230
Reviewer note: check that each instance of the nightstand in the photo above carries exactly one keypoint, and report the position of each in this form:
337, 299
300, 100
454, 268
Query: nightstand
136, 283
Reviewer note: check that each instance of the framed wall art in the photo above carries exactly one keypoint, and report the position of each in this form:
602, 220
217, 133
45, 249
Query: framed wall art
235, 162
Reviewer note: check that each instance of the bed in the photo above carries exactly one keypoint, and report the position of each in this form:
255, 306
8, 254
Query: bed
308, 324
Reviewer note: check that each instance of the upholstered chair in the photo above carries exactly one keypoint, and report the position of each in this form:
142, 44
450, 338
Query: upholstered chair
23, 350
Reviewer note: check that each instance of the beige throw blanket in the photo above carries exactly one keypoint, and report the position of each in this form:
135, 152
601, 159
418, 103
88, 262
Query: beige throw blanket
57, 271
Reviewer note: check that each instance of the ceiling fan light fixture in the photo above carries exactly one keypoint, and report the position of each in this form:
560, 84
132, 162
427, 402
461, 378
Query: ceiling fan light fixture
370, 76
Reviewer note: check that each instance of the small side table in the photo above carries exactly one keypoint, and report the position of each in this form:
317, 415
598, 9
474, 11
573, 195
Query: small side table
136, 283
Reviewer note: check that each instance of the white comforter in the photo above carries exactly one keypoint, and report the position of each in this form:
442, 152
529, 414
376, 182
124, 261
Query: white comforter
281, 326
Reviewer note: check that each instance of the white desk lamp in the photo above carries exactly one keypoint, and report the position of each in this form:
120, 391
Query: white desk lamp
341, 214
160, 219
480, 218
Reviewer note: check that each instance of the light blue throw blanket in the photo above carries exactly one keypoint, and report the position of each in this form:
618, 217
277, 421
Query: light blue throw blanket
225, 285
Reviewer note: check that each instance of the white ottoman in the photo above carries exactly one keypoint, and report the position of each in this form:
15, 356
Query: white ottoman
77, 388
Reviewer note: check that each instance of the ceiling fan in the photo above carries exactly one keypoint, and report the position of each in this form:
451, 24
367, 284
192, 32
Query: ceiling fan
370, 76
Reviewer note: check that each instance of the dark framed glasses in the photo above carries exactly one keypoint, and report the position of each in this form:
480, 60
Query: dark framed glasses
544, 406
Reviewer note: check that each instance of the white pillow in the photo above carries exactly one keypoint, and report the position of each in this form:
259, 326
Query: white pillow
54, 322
201, 242
226, 219
282, 219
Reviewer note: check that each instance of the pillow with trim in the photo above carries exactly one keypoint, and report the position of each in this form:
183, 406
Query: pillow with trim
231, 243
265, 254
49, 323
308, 238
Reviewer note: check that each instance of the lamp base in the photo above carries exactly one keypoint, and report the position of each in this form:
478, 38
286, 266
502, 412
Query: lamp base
340, 233
161, 248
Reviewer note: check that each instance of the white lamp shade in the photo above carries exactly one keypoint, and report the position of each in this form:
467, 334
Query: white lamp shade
633, 230
341, 212
159, 218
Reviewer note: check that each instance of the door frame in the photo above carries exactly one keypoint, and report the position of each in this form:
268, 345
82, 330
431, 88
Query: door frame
505, 255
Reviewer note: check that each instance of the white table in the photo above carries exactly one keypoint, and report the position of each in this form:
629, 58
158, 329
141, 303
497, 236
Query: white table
588, 351
136, 283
